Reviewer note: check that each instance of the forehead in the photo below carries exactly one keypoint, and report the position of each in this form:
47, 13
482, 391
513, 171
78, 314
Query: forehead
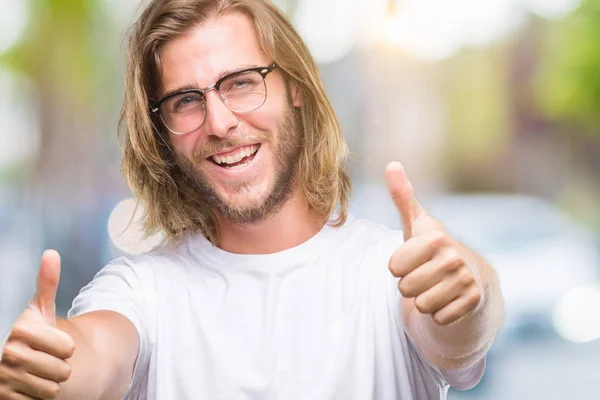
199, 56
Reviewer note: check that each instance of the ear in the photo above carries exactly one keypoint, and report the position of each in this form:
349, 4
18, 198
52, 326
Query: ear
297, 100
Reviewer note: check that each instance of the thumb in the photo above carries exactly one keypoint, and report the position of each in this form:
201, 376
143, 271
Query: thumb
47, 284
403, 194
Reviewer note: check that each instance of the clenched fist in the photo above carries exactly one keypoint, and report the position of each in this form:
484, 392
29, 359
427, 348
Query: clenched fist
34, 359
436, 272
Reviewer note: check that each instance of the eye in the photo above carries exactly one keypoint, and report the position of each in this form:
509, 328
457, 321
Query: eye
242, 83
185, 102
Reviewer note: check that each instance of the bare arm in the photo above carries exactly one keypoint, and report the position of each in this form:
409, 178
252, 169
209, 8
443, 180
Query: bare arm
106, 347
88, 357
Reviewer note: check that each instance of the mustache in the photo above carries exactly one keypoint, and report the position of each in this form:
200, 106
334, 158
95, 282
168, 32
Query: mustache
216, 145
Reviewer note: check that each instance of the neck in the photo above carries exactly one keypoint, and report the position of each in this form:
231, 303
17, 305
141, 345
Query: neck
293, 224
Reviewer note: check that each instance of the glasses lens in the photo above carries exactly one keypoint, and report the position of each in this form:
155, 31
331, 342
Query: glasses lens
183, 113
244, 92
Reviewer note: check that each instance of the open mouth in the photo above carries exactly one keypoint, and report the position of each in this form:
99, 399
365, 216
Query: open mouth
236, 159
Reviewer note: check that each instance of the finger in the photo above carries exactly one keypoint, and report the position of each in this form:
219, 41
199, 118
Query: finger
444, 265
422, 279
38, 363
47, 367
438, 296
47, 284
36, 387
44, 338
415, 252
403, 194
457, 308
16, 380
9, 394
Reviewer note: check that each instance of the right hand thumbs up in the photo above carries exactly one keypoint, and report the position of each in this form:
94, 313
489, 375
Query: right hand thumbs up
44, 299
33, 361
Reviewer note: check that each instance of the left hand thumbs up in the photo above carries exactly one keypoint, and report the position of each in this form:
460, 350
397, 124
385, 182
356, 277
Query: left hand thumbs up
438, 272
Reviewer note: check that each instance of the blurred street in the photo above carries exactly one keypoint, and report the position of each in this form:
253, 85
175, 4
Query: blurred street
535, 368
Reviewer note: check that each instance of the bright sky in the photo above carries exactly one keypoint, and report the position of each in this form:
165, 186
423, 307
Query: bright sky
426, 29
13, 22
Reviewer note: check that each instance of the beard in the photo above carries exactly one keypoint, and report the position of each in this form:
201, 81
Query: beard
287, 155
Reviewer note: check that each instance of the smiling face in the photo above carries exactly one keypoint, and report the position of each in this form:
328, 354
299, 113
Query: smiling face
243, 164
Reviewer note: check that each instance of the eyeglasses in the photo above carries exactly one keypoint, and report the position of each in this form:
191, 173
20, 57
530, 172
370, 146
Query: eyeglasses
242, 92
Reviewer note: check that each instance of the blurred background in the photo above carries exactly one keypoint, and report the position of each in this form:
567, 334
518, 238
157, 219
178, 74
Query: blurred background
493, 106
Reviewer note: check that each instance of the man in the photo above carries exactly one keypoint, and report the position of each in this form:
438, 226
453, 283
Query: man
267, 287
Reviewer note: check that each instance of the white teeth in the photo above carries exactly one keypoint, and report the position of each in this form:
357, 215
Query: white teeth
239, 166
237, 156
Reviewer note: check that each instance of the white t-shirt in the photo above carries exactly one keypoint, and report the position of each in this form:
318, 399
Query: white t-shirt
317, 321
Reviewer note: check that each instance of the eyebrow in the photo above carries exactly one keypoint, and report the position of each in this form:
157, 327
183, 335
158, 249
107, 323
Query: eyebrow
193, 86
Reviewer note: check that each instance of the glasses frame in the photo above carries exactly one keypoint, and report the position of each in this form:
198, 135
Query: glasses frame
263, 71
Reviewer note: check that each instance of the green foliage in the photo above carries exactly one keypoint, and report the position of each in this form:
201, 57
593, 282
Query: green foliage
58, 51
475, 90
568, 84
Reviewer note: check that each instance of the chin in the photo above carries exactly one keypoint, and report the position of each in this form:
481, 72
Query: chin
245, 196
253, 206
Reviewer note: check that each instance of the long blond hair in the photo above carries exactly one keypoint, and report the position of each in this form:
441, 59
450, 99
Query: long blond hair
170, 201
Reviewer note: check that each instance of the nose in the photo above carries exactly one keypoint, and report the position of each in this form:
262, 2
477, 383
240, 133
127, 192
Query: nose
220, 120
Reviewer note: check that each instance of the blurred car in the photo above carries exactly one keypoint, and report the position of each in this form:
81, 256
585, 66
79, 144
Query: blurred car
543, 258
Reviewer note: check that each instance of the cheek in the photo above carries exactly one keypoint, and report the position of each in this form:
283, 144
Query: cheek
266, 118
270, 114
184, 144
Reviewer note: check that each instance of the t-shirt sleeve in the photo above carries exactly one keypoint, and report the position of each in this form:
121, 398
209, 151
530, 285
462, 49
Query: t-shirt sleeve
460, 379
465, 378
119, 287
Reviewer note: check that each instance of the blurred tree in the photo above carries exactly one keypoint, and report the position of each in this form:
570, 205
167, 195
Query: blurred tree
567, 93
70, 183
475, 86
568, 82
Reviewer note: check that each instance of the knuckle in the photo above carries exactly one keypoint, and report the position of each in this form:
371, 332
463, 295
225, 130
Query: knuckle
20, 331
437, 238
422, 304
65, 373
466, 278
69, 348
50, 391
440, 319
453, 258
475, 297
9, 377
405, 288
11, 355
54, 390
393, 264
66, 346
4, 375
